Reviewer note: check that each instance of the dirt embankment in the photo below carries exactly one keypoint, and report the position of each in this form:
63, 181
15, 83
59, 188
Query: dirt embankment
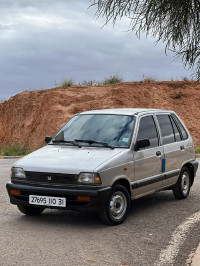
31, 115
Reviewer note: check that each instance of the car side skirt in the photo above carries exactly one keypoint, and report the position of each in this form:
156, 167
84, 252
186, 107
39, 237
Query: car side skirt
154, 179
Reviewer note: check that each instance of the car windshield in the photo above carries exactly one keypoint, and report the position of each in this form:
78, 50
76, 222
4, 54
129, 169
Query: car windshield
97, 130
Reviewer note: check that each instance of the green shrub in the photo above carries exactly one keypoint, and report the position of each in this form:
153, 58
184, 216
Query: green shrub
113, 79
14, 150
198, 150
67, 83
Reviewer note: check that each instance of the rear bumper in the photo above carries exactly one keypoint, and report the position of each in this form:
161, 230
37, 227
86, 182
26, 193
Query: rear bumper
98, 196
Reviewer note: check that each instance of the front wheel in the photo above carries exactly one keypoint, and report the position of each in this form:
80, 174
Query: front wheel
117, 206
29, 210
182, 188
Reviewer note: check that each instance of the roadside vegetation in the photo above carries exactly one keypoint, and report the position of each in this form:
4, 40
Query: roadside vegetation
14, 150
65, 83
112, 79
197, 150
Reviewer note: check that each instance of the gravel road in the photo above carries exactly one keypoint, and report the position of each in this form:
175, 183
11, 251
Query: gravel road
71, 238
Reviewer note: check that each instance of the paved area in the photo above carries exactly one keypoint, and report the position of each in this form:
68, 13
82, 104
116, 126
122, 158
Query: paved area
156, 225
196, 257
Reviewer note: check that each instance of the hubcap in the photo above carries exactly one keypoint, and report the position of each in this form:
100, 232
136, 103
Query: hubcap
185, 183
118, 205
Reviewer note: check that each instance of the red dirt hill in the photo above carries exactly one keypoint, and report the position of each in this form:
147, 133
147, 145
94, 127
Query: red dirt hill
31, 115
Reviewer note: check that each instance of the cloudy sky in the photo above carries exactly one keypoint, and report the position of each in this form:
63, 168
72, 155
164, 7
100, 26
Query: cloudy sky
43, 42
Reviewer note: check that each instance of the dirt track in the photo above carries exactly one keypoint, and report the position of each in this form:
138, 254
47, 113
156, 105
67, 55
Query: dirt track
31, 115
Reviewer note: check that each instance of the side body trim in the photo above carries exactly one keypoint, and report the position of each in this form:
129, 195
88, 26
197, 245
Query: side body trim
154, 179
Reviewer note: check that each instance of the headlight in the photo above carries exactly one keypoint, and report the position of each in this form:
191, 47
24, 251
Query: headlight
89, 178
17, 173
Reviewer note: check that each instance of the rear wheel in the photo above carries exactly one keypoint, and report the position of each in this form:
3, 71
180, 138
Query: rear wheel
182, 188
30, 210
117, 206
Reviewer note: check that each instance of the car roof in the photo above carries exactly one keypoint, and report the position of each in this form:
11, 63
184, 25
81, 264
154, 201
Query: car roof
124, 111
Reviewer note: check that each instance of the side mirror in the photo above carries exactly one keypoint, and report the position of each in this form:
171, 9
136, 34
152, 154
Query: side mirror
141, 144
48, 139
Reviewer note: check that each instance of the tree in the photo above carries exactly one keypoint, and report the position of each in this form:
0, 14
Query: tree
174, 22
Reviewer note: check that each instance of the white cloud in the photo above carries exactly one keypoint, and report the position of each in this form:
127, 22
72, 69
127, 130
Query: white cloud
48, 40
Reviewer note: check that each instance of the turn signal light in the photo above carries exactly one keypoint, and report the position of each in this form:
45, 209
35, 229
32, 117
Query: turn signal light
15, 192
97, 180
83, 198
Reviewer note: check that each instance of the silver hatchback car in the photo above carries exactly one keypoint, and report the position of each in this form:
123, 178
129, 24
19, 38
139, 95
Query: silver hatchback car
101, 160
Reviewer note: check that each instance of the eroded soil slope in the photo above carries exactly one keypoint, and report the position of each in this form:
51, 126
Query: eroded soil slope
31, 115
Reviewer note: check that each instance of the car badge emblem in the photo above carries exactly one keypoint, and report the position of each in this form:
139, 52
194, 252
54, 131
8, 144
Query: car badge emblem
49, 178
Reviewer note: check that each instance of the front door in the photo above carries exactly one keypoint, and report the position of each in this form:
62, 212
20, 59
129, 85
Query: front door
147, 161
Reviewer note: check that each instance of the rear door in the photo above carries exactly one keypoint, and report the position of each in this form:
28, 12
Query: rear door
147, 161
174, 148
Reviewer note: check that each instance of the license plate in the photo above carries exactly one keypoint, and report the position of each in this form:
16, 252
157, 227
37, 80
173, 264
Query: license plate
47, 201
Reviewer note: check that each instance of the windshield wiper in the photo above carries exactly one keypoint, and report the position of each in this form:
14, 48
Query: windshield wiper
66, 141
93, 141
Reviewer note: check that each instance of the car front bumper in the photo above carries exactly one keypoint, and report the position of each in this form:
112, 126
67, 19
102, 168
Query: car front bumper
98, 196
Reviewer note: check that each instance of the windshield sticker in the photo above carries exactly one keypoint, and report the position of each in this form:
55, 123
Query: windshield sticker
125, 140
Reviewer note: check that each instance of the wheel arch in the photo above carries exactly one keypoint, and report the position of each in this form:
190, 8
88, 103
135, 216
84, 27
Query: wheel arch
124, 182
190, 167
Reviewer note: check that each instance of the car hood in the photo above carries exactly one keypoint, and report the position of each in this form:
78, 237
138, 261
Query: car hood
66, 159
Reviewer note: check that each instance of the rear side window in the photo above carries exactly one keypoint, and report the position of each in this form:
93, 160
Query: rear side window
147, 130
176, 131
166, 129
182, 129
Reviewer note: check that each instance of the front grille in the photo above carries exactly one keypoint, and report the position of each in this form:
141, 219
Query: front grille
51, 178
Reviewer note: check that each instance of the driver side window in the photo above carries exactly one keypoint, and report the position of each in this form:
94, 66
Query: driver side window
147, 130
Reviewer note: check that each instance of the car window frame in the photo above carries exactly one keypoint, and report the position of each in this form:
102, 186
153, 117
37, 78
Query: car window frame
137, 131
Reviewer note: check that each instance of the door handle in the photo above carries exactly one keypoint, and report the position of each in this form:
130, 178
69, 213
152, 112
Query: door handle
182, 147
158, 153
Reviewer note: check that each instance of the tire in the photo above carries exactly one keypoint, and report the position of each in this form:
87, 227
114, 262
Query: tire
117, 206
181, 189
29, 210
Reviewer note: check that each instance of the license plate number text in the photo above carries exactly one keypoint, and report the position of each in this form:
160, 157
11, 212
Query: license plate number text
47, 201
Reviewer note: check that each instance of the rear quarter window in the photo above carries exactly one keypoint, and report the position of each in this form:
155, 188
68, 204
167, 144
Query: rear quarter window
176, 130
180, 126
